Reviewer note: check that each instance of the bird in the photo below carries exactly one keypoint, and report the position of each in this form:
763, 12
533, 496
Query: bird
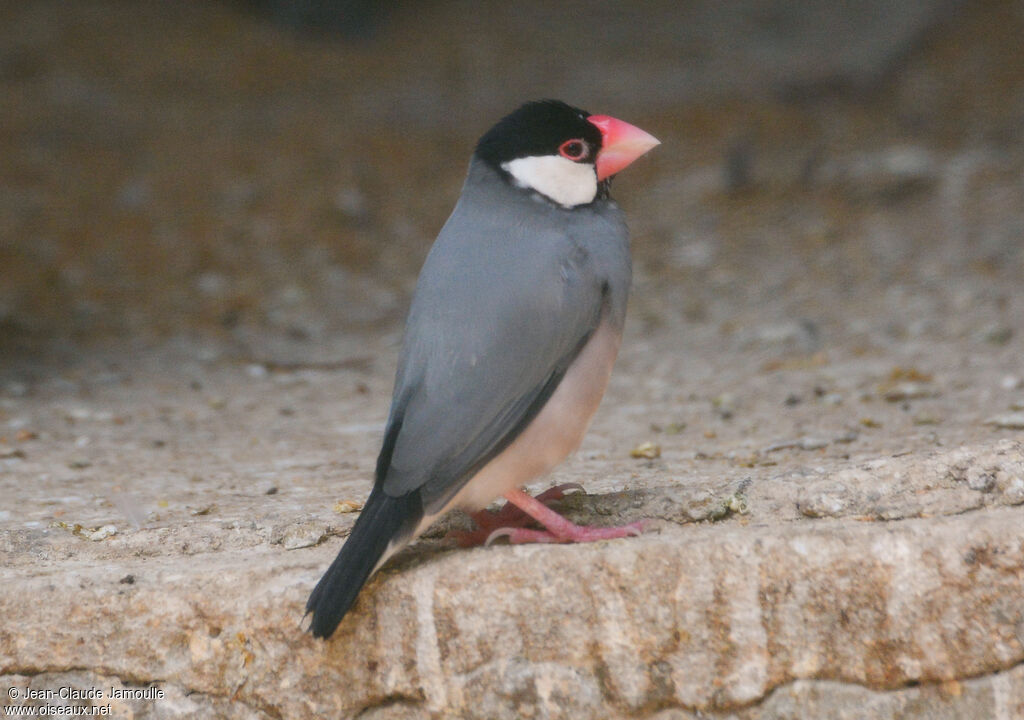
513, 328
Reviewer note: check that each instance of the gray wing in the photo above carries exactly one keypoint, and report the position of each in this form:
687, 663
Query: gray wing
495, 323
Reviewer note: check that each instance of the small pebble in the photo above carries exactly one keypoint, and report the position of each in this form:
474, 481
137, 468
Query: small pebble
256, 370
347, 506
998, 334
648, 450
804, 443
1012, 382
77, 413
16, 389
737, 504
351, 202
823, 504
1007, 421
812, 443
908, 391
847, 437
100, 533
978, 479
726, 405
303, 535
1014, 491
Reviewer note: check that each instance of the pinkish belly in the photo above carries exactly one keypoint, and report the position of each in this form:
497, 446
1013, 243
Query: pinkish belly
557, 430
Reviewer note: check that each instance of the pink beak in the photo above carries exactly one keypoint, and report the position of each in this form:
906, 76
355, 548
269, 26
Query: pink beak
621, 144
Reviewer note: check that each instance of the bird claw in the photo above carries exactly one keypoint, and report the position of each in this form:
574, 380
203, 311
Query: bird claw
499, 533
639, 527
559, 491
568, 533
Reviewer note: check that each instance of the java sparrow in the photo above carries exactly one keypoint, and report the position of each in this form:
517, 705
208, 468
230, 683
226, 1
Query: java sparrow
514, 326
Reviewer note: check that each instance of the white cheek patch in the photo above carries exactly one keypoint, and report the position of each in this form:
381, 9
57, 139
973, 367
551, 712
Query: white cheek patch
557, 178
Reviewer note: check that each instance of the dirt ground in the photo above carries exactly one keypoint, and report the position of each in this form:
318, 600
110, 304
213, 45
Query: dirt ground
210, 227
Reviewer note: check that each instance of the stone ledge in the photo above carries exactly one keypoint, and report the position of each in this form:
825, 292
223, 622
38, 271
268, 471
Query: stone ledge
711, 617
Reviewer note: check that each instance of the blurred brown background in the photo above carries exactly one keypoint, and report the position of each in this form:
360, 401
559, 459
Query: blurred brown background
242, 171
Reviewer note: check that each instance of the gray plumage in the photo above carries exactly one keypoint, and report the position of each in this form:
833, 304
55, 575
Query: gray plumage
511, 290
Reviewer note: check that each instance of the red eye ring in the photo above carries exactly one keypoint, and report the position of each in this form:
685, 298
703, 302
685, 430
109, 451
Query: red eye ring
575, 149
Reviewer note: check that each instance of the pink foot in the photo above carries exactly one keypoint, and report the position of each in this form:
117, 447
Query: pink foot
509, 516
559, 529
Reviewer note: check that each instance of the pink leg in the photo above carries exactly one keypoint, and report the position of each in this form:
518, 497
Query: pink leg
559, 530
508, 516
511, 516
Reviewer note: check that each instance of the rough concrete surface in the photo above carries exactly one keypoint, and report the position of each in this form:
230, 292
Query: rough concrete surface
206, 255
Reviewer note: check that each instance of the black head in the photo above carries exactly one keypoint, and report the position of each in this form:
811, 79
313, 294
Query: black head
543, 127
549, 148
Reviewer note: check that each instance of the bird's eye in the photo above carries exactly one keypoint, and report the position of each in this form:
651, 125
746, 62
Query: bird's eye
575, 150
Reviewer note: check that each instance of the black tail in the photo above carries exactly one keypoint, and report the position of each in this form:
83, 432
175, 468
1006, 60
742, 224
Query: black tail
383, 519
